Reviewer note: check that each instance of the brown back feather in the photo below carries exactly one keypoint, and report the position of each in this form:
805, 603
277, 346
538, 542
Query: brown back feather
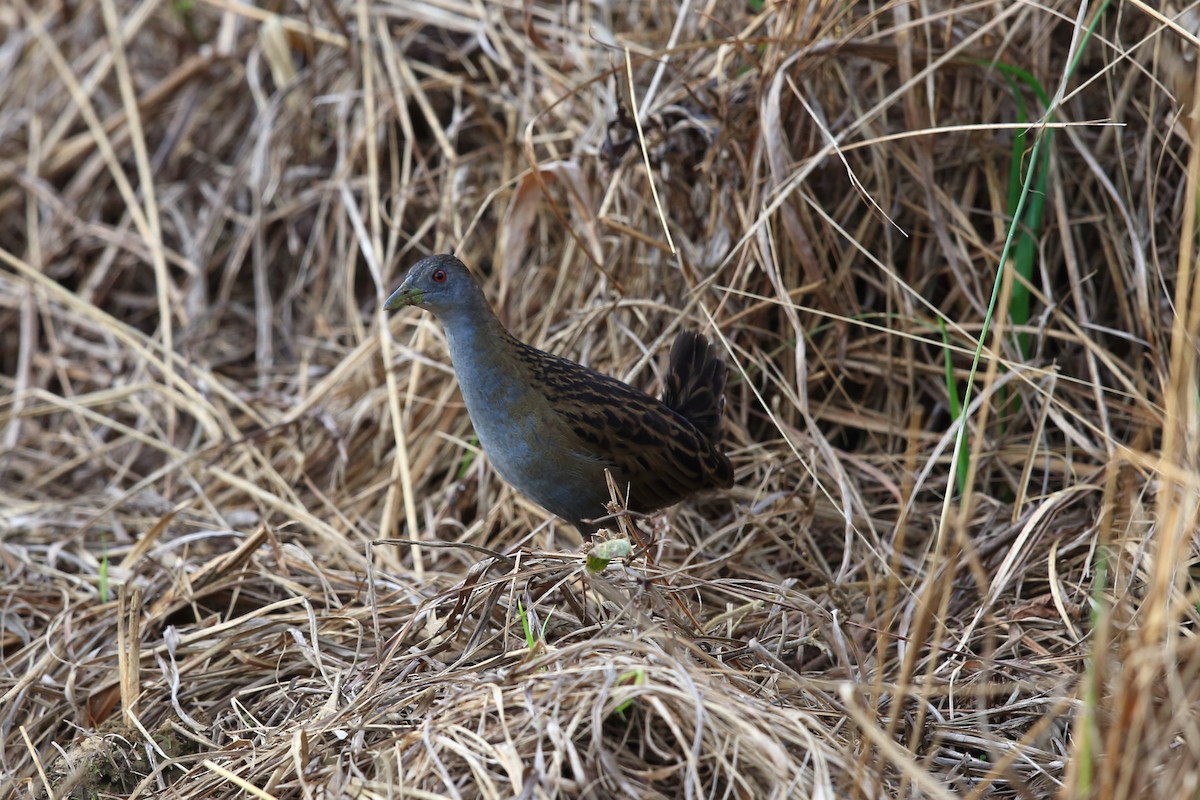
662, 452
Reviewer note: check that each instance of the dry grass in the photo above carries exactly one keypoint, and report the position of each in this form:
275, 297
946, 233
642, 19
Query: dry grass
248, 548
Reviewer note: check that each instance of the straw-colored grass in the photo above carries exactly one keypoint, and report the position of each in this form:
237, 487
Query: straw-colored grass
249, 546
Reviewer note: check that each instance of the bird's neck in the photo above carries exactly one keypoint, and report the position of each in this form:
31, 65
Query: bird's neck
483, 354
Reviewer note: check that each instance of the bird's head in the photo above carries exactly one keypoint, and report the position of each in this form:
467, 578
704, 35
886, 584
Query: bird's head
441, 284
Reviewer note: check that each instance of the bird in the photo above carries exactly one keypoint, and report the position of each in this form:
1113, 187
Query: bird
551, 427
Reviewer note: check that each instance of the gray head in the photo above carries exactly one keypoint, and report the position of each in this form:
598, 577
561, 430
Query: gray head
441, 284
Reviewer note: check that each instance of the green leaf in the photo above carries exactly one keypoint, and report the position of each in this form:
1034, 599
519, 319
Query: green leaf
599, 556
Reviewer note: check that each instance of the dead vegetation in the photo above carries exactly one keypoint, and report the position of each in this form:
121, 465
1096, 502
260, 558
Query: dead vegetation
248, 546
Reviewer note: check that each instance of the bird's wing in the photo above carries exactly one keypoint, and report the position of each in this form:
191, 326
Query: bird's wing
653, 449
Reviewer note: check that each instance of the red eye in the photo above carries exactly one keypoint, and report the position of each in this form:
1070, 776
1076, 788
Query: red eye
439, 276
